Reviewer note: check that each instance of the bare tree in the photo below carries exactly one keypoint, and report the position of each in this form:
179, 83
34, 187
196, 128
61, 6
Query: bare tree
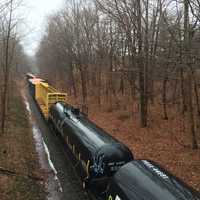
6, 63
128, 52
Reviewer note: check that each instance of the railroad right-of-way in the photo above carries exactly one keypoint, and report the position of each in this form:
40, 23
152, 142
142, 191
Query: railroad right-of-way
62, 182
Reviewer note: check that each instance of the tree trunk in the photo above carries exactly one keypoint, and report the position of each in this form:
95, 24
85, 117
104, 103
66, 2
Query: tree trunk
143, 110
187, 44
6, 72
73, 81
191, 112
84, 89
164, 99
184, 106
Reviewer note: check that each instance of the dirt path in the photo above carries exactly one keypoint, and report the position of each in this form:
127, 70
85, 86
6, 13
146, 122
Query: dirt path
20, 176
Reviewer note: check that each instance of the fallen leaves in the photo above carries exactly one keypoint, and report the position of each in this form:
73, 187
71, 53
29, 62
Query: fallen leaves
164, 141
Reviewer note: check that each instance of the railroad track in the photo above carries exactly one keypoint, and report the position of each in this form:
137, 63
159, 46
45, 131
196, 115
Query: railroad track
66, 172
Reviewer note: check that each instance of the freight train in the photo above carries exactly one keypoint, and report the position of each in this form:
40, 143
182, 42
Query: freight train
102, 162
98, 155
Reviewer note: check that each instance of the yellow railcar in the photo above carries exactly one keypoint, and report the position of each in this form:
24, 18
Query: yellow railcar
46, 96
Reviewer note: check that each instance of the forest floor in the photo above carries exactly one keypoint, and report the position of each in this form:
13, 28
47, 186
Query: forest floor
165, 141
22, 180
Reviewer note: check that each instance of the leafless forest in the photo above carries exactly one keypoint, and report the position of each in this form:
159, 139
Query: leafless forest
132, 65
12, 56
136, 55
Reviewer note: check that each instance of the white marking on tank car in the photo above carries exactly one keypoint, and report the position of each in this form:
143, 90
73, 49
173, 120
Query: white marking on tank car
117, 197
156, 170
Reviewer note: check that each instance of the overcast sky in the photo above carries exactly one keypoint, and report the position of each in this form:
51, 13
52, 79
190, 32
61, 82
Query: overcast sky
34, 13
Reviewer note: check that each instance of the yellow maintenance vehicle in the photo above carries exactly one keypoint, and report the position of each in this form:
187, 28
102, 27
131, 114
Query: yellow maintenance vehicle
46, 96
